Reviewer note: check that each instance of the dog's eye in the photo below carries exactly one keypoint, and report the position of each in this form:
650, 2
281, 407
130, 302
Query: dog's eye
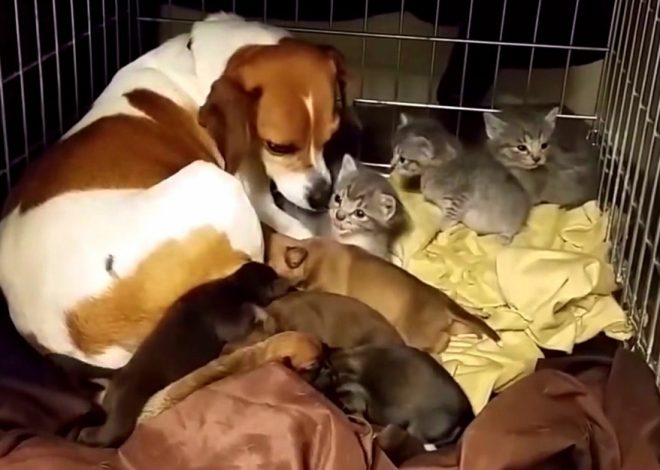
280, 149
544, 145
522, 148
360, 214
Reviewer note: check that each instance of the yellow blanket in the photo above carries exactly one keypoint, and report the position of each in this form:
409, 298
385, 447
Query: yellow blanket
549, 288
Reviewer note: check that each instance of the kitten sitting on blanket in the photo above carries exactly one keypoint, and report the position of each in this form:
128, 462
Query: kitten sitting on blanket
191, 333
364, 210
424, 399
469, 186
552, 159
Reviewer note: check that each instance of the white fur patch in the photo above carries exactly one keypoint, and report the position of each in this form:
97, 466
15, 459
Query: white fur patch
53, 256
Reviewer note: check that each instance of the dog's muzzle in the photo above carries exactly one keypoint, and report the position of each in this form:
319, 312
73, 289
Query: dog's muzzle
318, 196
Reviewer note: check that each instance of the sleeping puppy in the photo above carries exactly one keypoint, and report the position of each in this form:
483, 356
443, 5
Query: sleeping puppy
299, 351
337, 320
422, 399
424, 316
191, 333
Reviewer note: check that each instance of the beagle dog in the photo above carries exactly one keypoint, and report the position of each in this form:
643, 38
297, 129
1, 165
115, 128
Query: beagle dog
162, 186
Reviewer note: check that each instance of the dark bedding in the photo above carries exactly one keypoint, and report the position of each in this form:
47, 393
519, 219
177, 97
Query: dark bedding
585, 411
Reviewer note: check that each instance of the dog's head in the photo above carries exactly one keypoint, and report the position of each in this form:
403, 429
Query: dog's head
284, 97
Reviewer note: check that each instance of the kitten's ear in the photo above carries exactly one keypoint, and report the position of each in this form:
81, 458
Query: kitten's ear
387, 205
551, 117
295, 256
348, 166
404, 119
494, 125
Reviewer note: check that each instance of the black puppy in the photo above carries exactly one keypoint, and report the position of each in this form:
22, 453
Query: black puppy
396, 385
191, 333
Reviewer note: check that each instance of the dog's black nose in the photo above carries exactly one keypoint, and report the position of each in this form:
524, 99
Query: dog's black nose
319, 195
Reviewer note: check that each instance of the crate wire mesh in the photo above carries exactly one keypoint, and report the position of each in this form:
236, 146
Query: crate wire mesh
628, 134
56, 56
460, 58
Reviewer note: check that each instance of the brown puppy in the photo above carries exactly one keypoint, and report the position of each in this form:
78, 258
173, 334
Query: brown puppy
191, 333
337, 320
424, 316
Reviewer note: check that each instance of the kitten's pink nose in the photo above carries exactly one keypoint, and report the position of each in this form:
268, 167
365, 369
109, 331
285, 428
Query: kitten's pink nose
340, 215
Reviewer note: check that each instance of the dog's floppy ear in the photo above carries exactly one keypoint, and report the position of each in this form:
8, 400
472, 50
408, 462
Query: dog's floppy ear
347, 82
228, 115
295, 256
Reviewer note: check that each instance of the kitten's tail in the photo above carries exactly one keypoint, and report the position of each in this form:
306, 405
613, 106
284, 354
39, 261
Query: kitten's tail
474, 324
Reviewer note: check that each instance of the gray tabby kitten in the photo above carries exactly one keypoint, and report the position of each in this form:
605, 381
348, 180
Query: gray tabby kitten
469, 186
364, 210
552, 159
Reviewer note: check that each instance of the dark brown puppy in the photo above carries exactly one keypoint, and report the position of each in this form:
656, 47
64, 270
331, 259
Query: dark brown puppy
192, 333
337, 320
396, 385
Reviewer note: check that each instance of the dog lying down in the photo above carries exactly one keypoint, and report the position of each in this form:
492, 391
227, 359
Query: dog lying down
424, 316
423, 399
190, 334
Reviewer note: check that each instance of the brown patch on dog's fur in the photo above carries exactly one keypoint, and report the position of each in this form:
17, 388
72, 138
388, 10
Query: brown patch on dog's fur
128, 311
118, 152
280, 76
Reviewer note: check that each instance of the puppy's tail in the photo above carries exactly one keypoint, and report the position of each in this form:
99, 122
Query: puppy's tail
473, 323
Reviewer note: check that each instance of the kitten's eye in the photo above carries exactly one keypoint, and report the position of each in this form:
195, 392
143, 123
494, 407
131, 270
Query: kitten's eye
360, 214
522, 148
280, 149
544, 145
402, 159
337, 198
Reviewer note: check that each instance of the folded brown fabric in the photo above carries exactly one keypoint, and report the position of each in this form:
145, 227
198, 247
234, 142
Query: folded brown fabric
266, 419
632, 404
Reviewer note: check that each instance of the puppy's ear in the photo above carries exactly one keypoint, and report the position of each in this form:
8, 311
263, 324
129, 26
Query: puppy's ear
228, 116
295, 256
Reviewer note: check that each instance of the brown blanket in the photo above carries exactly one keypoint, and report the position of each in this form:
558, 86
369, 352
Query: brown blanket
265, 419
581, 412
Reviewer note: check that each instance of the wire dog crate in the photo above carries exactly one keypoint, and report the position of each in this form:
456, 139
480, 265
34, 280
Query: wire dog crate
597, 58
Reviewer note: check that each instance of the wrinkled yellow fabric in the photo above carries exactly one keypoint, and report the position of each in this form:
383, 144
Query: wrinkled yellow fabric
551, 288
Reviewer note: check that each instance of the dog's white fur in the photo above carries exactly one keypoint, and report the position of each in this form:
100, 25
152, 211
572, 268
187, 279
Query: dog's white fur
53, 256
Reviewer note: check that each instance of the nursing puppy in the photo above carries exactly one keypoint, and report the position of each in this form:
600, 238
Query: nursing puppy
424, 399
192, 333
337, 320
424, 316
